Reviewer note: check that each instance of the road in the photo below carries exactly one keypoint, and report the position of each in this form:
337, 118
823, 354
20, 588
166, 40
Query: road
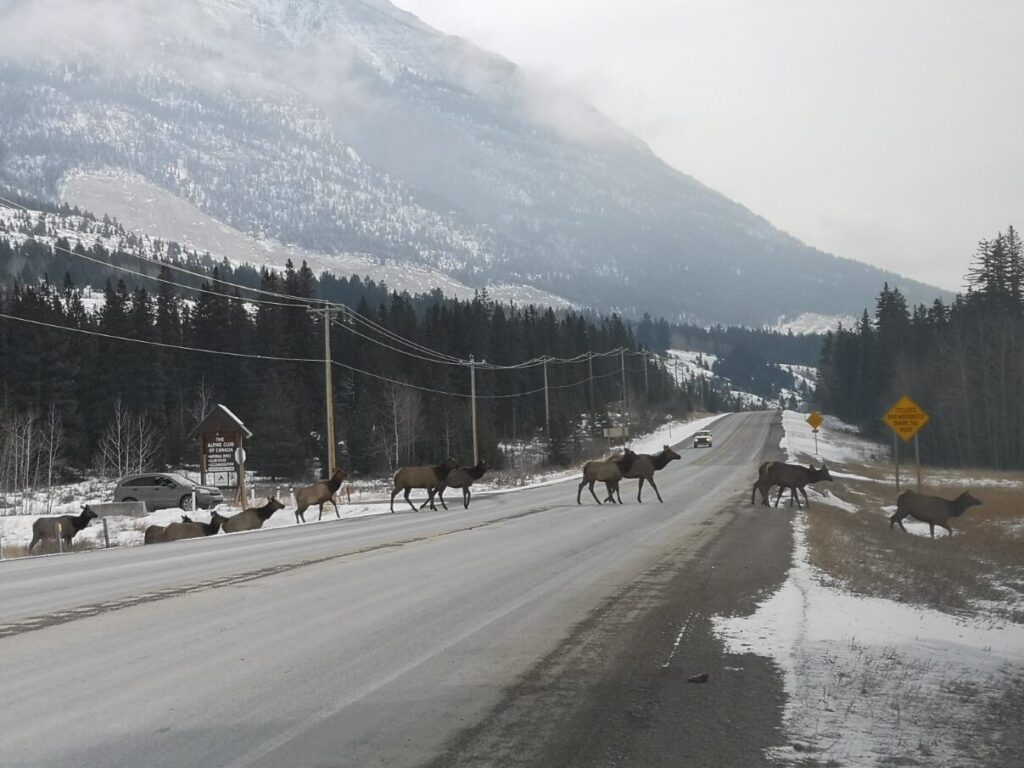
526, 631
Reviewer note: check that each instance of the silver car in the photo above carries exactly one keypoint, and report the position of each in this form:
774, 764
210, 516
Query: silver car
165, 490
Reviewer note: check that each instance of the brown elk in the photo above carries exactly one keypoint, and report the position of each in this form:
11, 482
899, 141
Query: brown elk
608, 472
792, 476
155, 533
644, 468
461, 477
254, 518
931, 509
179, 531
65, 527
429, 478
319, 493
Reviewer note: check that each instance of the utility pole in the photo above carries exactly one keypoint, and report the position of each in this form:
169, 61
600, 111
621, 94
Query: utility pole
625, 404
647, 395
327, 313
472, 395
547, 401
590, 371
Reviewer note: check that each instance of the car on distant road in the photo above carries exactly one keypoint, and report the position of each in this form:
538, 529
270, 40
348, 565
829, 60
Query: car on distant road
166, 490
702, 439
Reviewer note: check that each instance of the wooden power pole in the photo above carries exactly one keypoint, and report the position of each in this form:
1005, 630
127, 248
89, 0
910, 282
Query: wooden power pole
327, 314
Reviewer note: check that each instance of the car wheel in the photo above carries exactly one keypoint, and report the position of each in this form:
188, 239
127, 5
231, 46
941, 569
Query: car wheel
186, 503
129, 498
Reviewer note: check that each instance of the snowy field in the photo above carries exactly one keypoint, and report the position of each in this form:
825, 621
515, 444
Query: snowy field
870, 681
369, 499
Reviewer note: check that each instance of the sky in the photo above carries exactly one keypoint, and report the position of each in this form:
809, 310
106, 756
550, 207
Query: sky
887, 131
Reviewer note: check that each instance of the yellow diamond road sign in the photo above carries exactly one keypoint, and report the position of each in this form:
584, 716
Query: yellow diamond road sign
906, 418
815, 419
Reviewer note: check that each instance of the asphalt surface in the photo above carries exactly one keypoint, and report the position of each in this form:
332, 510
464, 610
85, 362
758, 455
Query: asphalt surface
526, 631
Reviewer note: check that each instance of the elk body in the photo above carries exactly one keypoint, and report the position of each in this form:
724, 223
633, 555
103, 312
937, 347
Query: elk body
792, 476
428, 478
609, 472
254, 518
933, 510
319, 493
155, 533
462, 477
644, 467
66, 527
178, 531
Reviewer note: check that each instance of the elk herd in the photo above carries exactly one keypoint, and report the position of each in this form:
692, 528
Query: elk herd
436, 479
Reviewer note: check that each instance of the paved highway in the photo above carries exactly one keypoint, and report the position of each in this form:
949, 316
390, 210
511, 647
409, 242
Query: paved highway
398, 640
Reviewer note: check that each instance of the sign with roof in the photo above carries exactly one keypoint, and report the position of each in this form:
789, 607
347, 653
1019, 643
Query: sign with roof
221, 434
906, 418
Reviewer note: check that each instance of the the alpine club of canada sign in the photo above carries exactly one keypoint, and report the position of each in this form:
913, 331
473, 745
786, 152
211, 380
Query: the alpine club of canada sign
906, 418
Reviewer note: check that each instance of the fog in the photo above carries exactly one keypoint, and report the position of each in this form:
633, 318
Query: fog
883, 131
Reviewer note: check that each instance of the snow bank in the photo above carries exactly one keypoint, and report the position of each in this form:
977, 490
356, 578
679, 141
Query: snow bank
837, 442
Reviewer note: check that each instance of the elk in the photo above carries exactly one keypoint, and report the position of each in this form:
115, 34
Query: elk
430, 478
319, 493
792, 476
608, 472
254, 518
178, 531
644, 468
933, 510
65, 527
462, 477
155, 533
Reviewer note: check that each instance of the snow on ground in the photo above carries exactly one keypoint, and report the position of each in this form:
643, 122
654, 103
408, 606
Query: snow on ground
867, 679
870, 682
16, 530
812, 322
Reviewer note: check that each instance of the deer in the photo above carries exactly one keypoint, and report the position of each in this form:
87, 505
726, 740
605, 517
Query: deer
252, 519
792, 476
319, 493
462, 477
191, 530
65, 527
644, 468
430, 478
155, 533
608, 472
933, 510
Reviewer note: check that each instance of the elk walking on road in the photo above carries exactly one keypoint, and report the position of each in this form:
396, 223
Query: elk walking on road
428, 478
608, 472
462, 477
792, 476
644, 468
319, 493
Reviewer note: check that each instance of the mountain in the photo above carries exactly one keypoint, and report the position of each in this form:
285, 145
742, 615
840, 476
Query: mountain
352, 130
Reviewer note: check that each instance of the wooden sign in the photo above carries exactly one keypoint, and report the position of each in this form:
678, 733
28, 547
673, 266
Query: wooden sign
906, 418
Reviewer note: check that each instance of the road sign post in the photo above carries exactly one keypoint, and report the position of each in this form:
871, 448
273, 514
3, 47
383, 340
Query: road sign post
815, 420
906, 419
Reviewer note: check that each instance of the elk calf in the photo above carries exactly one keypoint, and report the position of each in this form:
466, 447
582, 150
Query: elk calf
319, 493
254, 518
608, 472
931, 509
66, 527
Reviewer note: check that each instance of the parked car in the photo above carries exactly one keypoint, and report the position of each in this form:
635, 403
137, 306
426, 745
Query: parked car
702, 438
165, 490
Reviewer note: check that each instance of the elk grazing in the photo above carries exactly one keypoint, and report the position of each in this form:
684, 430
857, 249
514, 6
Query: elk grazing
792, 476
608, 472
319, 493
429, 478
931, 509
644, 467
155, 533
65, 527
254, 518
462, 477
179, 531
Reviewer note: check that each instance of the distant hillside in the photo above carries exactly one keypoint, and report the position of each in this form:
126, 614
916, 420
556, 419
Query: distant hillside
355, 131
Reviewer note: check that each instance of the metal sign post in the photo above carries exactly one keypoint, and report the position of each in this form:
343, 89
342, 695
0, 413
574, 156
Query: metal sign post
906, 419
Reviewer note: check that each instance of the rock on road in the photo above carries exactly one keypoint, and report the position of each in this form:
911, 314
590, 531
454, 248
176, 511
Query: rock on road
526, 631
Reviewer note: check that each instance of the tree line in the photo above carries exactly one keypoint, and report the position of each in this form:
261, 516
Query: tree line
122, 406
962, 362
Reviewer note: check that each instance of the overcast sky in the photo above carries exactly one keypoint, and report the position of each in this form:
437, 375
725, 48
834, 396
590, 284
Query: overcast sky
889, 131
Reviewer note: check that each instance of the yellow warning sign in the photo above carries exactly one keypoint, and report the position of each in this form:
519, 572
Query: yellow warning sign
815, 419
906, 418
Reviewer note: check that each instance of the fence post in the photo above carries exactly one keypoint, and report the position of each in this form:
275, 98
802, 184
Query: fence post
60, 537
193, 500
106, 535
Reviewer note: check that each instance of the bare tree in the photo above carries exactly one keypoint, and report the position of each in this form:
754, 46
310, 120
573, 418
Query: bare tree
53, 443
406, 409
203, 401
129, 443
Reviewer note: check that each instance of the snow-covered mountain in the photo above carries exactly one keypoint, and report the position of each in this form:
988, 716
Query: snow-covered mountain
350, 128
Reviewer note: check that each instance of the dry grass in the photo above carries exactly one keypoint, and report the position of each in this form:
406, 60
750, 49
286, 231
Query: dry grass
980, 566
